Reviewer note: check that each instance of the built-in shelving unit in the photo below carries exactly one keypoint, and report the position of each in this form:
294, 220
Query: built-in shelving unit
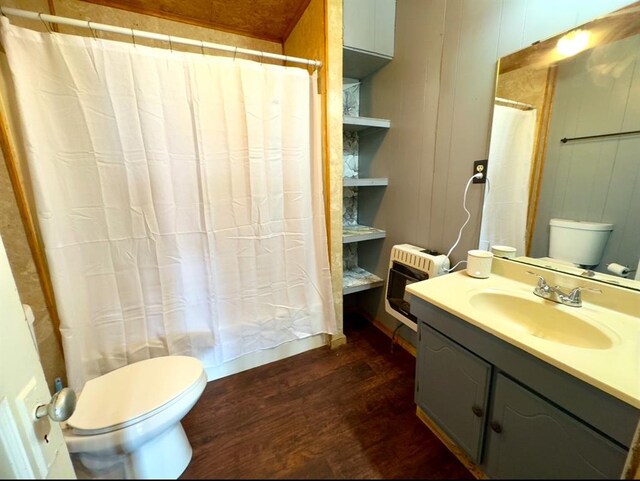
368, 45
355, 277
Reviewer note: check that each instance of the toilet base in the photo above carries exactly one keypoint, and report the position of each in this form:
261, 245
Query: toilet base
165, 456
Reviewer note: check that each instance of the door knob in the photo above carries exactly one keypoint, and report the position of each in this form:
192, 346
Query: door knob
61, 407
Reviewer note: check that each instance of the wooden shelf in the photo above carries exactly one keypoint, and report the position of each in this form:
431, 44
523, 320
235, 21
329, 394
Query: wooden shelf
359, 64
365, 182
357, 279
359, 233
358, 124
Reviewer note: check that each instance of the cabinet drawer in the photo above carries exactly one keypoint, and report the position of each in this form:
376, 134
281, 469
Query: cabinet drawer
452, 387
528, 437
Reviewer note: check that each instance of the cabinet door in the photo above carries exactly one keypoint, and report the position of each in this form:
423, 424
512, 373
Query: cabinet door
359, 19
369, 25
384, 27
528, 437
452, 387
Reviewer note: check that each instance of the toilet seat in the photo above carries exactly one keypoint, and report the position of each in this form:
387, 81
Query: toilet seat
133, 393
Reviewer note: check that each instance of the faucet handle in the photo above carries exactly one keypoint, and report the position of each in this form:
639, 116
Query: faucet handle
534, 274
542, 282
575, 296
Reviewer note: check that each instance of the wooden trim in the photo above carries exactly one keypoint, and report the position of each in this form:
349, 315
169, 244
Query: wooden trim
620, 24
400, 341
52, 11
152, 12
35, 245
337, 340
457, 452
403, 343
540, 156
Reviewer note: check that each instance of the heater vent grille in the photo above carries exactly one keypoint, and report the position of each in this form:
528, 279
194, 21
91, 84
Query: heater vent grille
417, 260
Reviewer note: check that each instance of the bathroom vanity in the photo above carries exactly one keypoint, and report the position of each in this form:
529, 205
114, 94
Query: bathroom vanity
521, 387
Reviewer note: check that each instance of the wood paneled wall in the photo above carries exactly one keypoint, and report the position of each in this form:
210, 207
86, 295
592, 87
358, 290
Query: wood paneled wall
438, 93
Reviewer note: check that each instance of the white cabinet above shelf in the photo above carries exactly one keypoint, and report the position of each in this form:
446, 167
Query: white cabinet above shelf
357, 279
359, 233
369, 36
357, 124
365, 182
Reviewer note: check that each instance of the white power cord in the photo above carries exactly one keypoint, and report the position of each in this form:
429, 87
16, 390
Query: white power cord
479, 175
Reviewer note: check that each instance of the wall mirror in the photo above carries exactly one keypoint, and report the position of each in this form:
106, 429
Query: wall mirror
565, 145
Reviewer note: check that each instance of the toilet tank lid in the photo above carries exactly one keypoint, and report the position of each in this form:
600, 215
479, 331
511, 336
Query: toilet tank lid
582, 225
133, 392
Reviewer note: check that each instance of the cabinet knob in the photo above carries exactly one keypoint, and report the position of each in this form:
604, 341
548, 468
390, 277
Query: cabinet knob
495, 427
477, 410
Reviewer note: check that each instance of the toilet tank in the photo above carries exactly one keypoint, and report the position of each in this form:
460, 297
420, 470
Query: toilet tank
578, 242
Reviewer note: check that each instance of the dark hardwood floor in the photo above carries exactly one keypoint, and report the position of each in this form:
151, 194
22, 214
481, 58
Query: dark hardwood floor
343, 413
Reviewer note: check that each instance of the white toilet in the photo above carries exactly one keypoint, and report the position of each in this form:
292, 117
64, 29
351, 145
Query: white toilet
127, 422
579, 243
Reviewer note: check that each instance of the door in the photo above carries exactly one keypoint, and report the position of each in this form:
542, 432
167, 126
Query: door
29, 448
530, 438
452, 388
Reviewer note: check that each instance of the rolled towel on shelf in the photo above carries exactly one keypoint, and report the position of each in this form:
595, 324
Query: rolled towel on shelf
618, 269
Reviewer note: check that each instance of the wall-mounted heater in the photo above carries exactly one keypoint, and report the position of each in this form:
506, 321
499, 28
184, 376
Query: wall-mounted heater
409, 264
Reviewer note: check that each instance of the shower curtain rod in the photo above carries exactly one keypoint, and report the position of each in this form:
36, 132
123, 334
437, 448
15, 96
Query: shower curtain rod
44, 17
514, 103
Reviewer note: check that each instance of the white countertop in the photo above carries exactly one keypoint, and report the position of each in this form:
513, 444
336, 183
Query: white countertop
615, 370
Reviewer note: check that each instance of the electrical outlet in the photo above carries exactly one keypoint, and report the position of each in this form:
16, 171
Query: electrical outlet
480, 167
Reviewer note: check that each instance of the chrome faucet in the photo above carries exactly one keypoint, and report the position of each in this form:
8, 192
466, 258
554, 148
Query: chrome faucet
572, 298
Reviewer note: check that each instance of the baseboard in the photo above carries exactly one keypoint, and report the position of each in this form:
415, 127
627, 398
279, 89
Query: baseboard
457, 452
337, 341
259, 358
403, 343
400, 341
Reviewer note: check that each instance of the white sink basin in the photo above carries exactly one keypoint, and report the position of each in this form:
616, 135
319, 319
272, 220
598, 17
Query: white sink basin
543, 319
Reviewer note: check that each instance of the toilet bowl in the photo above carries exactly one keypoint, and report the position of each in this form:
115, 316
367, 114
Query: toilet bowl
127, 422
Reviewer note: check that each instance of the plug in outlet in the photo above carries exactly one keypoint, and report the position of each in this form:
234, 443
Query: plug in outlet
480, 167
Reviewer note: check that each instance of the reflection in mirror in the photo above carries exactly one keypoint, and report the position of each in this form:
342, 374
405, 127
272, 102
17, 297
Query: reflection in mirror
564, 156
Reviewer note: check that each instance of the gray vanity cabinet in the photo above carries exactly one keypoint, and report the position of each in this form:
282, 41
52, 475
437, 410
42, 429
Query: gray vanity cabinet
528, 437
513, 414
455, 389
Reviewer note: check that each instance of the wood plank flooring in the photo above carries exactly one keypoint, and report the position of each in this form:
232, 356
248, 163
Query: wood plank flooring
346, 413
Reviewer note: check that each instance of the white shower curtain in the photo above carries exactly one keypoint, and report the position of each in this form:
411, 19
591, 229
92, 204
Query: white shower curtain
179, 198
504, 213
